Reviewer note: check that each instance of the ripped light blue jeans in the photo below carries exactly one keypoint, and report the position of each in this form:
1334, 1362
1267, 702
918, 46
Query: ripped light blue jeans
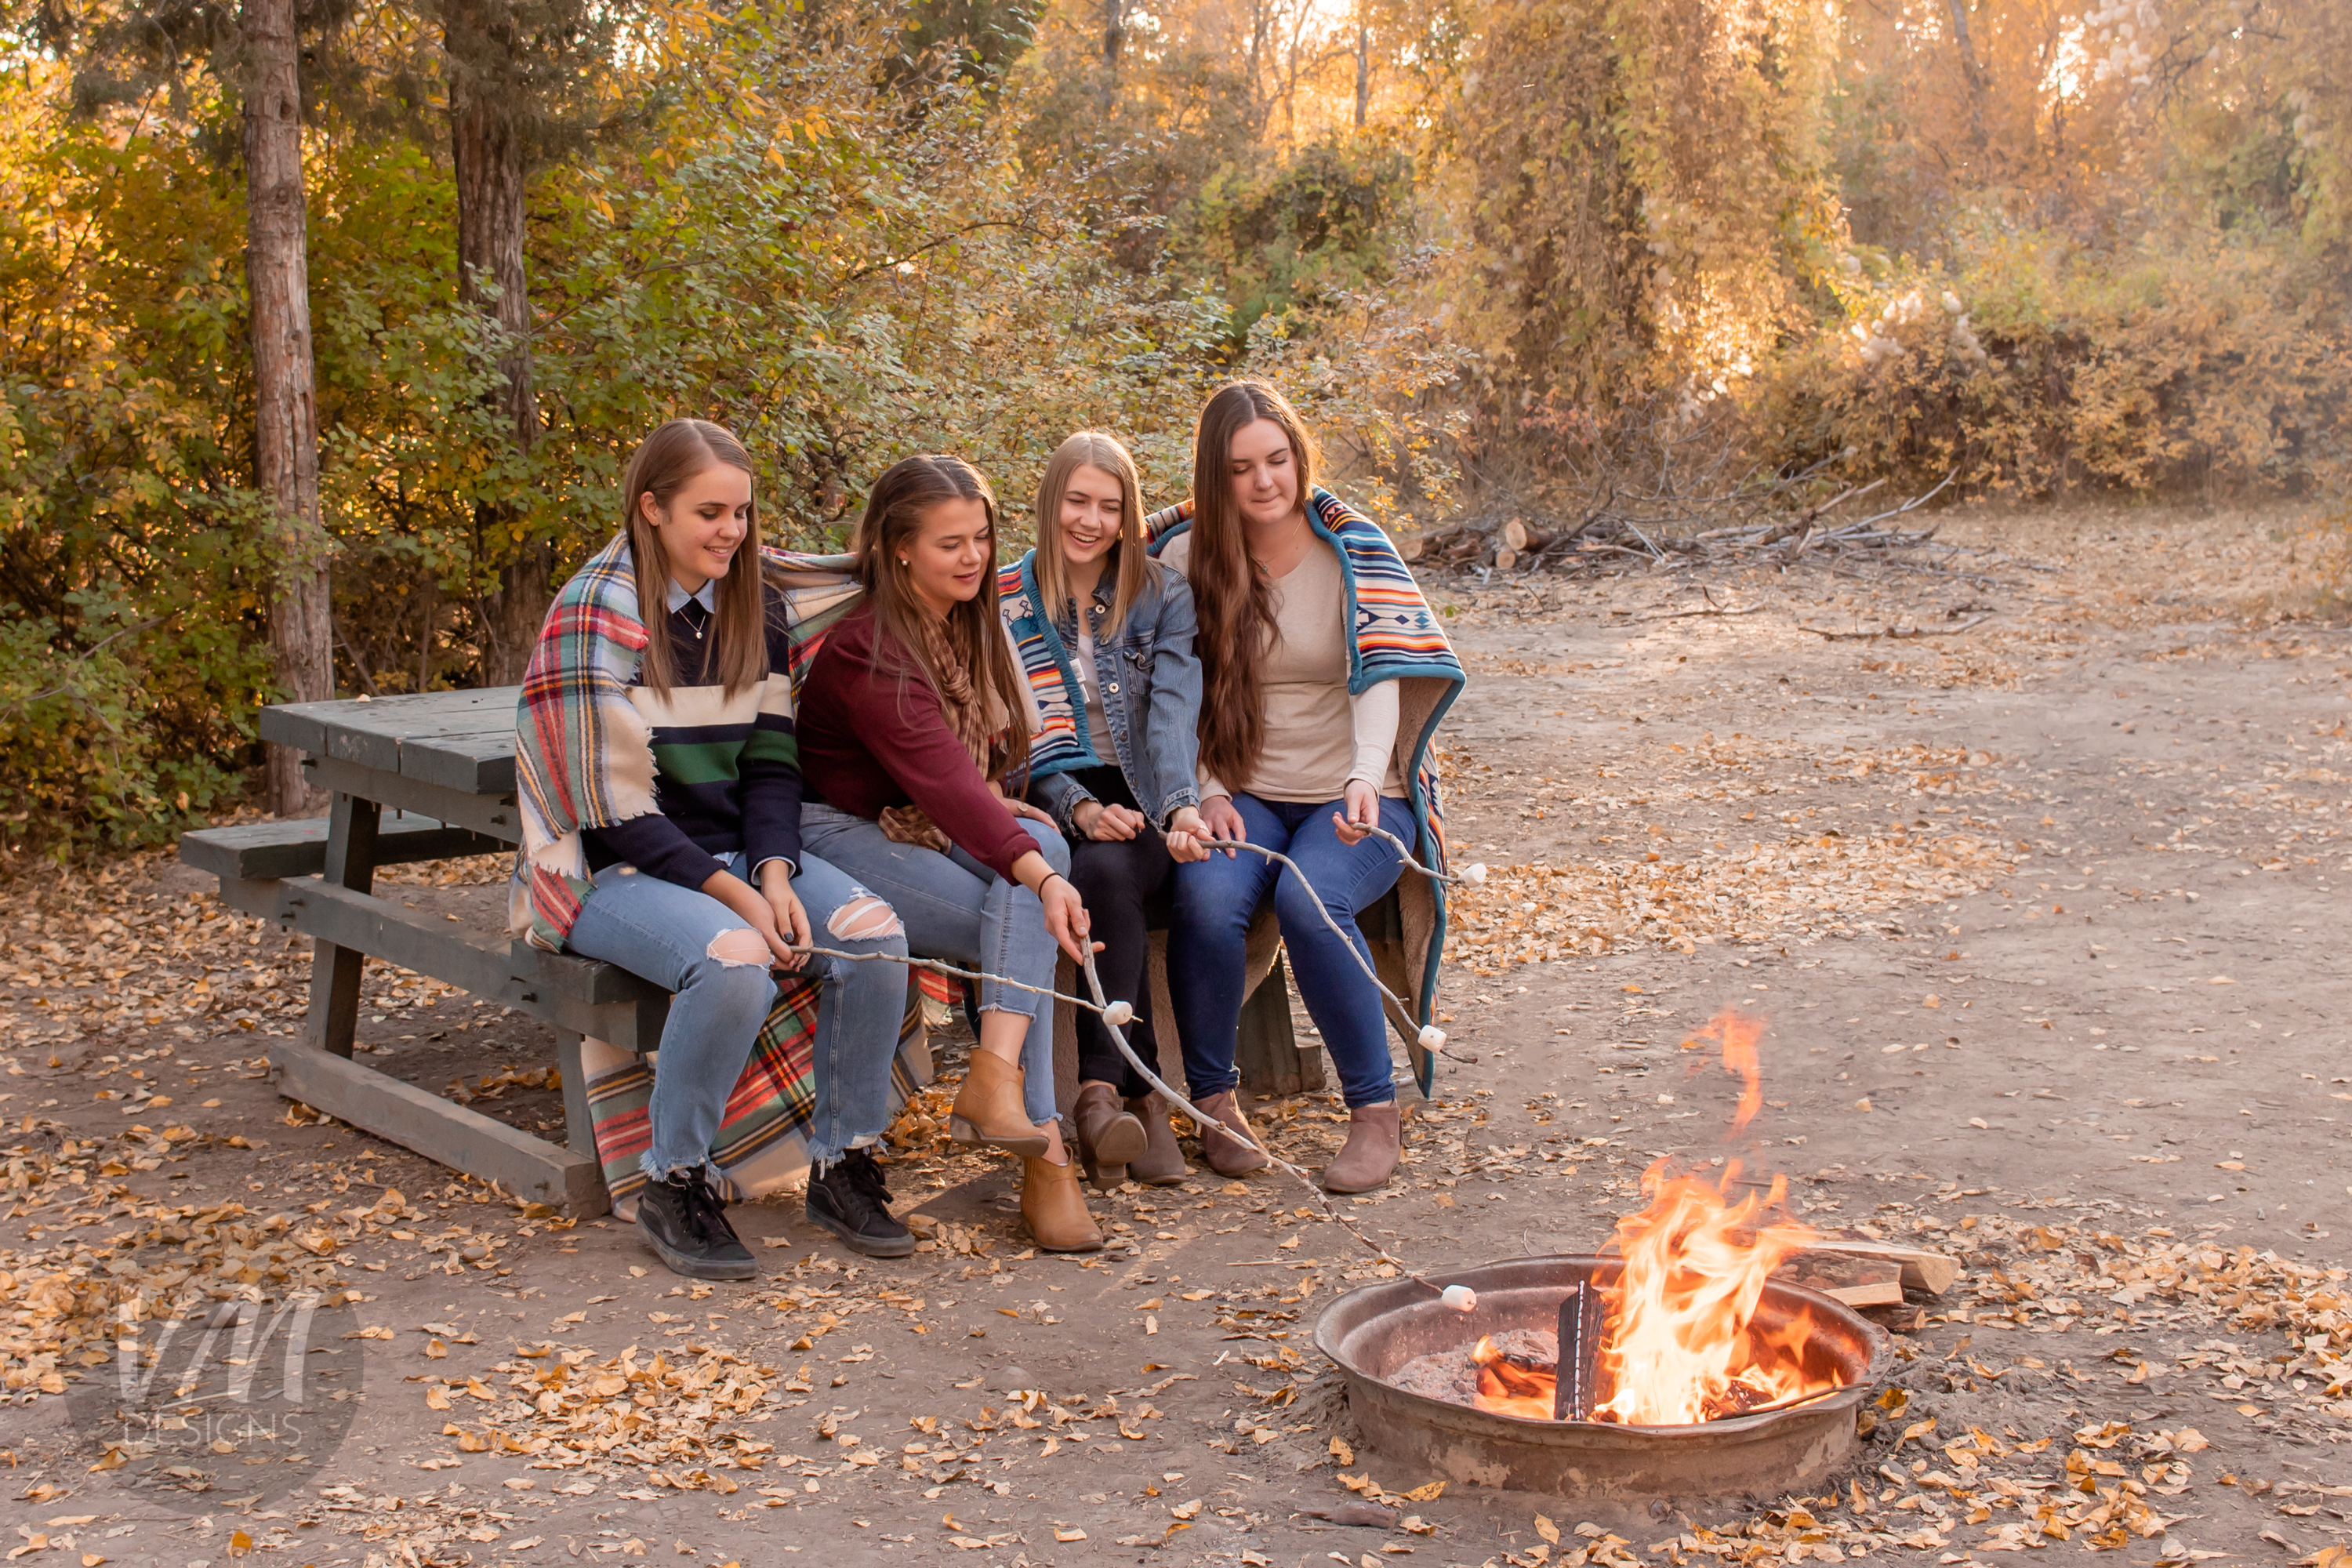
956, 908
718, 970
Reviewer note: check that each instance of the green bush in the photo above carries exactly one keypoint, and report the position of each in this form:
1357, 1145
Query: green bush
87, 753
1331, 220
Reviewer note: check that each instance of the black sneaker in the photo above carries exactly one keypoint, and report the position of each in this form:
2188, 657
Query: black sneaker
686, 1225
851, 1201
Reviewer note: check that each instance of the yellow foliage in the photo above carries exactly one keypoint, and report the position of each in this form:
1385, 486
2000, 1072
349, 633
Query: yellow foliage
2038, 366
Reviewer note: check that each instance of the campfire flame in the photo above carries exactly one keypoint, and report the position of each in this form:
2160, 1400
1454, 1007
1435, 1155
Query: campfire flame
1679, 1342
1737, 1033
1681, 1346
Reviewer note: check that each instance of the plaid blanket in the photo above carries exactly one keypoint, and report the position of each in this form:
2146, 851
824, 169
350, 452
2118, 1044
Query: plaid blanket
583, 759
763, 1144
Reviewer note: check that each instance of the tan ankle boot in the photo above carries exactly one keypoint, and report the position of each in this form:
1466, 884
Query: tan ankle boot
1108, 1136
1232, 1154
988, 1110
1054, 1210
1375, 1140
1161, 1163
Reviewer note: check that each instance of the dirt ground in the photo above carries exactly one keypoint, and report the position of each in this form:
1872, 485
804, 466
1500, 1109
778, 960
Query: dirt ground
2045, 913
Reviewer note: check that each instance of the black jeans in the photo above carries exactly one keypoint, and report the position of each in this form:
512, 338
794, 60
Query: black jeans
1116, 877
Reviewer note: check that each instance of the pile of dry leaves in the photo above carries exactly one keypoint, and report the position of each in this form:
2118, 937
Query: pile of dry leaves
1815, 879
65, 1301
86, 952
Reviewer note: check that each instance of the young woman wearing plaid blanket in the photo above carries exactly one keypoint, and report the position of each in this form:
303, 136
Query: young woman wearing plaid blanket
662, 792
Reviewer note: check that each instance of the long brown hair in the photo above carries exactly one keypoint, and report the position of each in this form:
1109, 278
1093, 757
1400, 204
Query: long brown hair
736, 652
1231, 593
1091, 450
902, 497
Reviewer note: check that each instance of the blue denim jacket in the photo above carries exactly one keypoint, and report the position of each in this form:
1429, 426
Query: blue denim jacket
1151, 683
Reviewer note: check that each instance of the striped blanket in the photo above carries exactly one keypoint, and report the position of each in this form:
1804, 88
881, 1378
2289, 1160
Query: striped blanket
583, 759
1059, 744
1397, 638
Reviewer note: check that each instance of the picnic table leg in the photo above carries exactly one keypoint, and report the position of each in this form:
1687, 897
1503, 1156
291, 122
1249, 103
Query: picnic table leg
1266, 1048
334, 1015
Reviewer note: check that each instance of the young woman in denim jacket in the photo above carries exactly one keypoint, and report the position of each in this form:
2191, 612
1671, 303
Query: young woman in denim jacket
1105, 633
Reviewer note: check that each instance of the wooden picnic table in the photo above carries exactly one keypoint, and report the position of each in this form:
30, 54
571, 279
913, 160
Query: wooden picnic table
430, 777
424, 777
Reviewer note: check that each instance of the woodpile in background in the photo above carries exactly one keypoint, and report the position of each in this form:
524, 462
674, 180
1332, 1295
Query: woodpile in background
1621, 535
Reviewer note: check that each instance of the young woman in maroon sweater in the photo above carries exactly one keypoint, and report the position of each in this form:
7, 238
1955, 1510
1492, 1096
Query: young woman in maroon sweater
913, 715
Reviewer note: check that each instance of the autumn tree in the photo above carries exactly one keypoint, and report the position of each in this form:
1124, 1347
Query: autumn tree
1640, 194
519, 77
144, 50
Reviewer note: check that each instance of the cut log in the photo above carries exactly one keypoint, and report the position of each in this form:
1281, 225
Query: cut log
1922, 1271
1856, 1281
1430, 546
1527, 541
1506, 558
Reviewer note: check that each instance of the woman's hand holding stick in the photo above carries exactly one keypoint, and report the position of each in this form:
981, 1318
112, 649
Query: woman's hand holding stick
776, 915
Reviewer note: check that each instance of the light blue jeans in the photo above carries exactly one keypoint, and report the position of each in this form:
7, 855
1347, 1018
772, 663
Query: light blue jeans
672, 936
956, 910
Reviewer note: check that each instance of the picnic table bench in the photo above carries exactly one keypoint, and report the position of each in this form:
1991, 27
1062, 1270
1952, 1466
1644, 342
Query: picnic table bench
428, 777
431, 777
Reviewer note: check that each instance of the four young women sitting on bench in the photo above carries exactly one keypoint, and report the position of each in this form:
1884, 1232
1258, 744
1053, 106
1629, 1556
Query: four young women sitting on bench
991, 769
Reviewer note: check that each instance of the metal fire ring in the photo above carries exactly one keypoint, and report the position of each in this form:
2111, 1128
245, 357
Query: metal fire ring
1372, 1331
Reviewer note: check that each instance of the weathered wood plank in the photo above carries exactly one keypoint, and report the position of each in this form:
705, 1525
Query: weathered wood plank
293, 724
335, 970
493, 814
530, 1168
551, 992
585, 979
298, 849
1266, 1050
481, 763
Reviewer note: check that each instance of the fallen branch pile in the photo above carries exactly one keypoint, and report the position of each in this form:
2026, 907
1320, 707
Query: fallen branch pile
1747, 526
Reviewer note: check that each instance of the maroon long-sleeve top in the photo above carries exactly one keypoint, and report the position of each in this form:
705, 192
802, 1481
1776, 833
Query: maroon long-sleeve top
871, 738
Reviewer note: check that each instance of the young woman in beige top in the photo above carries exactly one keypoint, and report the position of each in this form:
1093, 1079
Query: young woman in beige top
1289, 760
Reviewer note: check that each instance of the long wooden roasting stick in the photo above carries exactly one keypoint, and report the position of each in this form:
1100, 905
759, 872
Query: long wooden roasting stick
1116, 1015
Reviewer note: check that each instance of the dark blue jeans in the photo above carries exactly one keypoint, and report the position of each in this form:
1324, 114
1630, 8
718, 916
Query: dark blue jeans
1216, 900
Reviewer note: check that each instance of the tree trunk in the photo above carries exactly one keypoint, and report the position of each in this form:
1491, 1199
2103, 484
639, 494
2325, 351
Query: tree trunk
488, 156
286, 414
1363, 65
1114, 36
1972, 77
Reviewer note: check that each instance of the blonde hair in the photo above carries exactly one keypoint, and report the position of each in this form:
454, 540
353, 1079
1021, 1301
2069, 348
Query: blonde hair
1091, 450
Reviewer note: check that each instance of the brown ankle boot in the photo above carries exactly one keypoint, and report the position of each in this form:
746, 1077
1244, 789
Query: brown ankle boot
1054, 1210
1108, 1137
1375, 1139
1234, 1153
988, 1110
1161, 1163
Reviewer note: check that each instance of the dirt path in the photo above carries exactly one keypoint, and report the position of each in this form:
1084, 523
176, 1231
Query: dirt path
2045, 917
